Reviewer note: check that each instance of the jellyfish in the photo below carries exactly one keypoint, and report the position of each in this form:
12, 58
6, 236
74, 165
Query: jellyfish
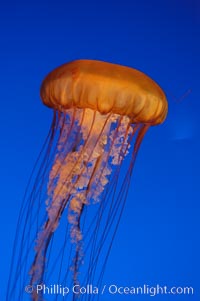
78, 188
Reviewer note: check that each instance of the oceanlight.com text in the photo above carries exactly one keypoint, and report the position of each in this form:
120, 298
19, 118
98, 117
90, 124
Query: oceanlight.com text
111, 289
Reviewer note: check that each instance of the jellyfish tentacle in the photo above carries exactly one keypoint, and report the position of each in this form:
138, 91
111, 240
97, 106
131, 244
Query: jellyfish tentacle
144, 128
100, 172
90, 178
43, 241
78, 255
121, 198
122, 127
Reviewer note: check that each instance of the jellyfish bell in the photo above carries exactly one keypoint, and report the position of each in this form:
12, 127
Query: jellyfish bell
106, 88
101, 113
